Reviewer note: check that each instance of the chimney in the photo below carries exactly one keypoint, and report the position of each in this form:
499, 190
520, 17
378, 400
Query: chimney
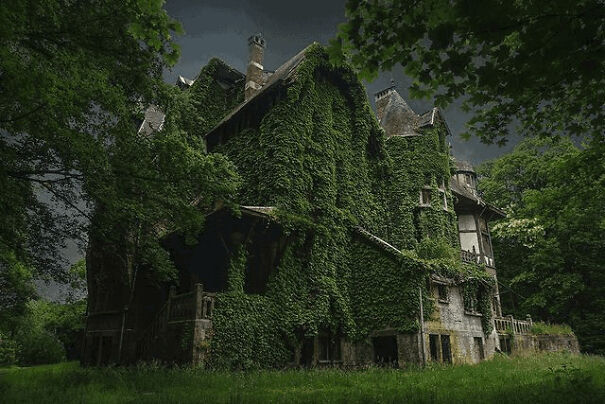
254, 73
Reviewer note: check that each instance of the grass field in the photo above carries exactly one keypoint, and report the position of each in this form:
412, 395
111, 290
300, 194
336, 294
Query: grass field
554, 378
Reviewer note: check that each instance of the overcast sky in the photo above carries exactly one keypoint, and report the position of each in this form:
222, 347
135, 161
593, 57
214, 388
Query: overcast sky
220, 28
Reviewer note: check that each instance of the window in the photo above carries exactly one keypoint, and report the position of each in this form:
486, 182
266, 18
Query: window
329, 349
442, 293
440, 348
487, 247
385, 350
505, 344
434, 347
445, 349
468, 179
479, 347
425, 197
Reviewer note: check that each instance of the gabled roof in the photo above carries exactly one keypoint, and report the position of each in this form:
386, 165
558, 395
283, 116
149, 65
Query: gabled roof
284, 74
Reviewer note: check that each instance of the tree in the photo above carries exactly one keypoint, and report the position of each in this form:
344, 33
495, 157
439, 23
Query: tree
536, 63
550, 248
75, 78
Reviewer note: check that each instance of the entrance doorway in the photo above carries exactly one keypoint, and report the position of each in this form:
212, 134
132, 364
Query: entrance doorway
385, 350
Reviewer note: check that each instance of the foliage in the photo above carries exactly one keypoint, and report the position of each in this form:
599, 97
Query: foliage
319, 157
49, 332
17, 289
76, 80
533, 63
541, 379
551, 329
37, 347
550, 246
8, 350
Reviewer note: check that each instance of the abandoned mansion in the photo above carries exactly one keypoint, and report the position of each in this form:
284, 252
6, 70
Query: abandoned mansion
355, 238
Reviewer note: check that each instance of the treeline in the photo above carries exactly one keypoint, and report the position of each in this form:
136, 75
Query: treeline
550, 249
35, 331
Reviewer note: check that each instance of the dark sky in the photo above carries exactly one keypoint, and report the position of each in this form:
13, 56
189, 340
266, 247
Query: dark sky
220, 28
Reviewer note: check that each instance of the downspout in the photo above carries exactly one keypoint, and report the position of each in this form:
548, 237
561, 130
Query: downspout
422, 345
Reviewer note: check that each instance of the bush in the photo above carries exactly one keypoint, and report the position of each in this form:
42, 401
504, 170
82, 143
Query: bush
39, 347
8, 351
435, 249
553, 329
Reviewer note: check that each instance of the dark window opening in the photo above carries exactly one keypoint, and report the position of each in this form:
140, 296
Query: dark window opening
434, 347
329, 349
425, 197
306, 352
385, 350
487, 248
445, 349
505, 345
479, 347
442, 293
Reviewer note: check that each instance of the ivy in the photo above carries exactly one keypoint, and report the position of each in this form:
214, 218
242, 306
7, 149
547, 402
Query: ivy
320, 157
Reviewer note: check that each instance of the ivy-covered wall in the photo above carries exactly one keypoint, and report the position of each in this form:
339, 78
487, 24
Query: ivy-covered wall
319, 157
419, 162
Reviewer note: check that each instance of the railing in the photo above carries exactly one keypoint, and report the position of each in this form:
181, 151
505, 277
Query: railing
190, 306
468, 256
509, 324
474, 258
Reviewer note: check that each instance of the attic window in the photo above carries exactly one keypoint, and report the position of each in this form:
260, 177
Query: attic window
425, 197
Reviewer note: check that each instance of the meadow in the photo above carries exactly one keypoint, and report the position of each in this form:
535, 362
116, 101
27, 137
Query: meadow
546, 378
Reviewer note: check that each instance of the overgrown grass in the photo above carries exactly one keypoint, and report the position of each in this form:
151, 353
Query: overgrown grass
540, 379
553, 329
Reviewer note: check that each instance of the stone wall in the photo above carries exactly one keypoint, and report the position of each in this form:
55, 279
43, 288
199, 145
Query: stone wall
530, 344
464, 329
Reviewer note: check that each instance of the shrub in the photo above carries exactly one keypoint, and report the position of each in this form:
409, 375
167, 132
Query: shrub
552, 329
8, 351
39, 347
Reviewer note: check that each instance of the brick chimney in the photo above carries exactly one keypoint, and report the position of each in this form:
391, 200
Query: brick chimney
254, 73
